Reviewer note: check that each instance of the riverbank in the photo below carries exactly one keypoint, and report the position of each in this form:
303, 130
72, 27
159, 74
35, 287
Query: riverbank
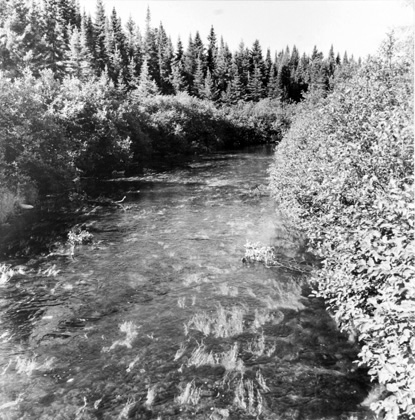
59, 131
344, 176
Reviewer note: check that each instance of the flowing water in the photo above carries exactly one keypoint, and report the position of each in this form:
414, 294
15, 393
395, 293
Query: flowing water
159, 317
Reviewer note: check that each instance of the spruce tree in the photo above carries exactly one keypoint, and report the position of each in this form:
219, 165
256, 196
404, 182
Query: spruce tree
222, 67
55, 36
255, 88
208, 91
150, 49
146, 84
273, 90
100, 25
199, 79
212, 51
177, 78
234, 90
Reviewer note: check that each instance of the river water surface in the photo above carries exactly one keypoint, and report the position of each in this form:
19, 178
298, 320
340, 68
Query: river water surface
159, 318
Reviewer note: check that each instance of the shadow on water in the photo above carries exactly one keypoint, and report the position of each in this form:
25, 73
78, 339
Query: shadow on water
158, 318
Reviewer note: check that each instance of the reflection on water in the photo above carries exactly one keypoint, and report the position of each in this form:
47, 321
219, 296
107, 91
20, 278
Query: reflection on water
158, 318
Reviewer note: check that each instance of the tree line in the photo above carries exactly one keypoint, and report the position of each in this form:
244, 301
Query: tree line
56, 35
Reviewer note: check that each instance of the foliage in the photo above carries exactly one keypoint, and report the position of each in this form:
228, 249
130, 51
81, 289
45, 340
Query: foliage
92, 115
54, 35
33, 148
344, 173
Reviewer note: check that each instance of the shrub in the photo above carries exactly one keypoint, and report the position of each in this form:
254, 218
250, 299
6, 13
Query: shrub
344, 173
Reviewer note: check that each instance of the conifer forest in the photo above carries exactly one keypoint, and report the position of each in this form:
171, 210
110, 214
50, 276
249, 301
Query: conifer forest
92, 108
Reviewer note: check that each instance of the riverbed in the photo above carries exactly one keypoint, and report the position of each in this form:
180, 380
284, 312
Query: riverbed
159, 317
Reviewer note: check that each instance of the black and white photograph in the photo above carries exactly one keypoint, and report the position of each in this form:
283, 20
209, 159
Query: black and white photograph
207, 210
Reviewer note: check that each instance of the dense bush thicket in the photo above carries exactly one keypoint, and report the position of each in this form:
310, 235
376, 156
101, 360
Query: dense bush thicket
344, 172
51, 131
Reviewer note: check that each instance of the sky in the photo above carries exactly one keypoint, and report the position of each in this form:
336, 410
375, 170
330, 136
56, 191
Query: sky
355, 26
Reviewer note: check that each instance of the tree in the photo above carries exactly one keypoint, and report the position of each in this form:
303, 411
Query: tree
212, 51
150, 49
255, 85
165, 60
234, 90
55, 35
199, 78
101, 57
222, 67
178, 77
208, 91
273, 89
146, 85
79, 61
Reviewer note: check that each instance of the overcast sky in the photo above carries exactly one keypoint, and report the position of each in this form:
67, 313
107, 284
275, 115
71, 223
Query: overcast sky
355, 26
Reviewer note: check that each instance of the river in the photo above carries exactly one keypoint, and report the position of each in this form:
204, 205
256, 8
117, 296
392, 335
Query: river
159, 318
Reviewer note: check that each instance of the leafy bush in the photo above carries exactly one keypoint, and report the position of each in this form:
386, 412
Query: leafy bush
92, 114
33, 147
259, 122
344, 173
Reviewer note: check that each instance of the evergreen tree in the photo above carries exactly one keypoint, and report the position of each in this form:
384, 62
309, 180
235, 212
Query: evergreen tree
119, 41
189, 63
284, 78
331, 63
208, 92
234, 90
178, 79
222, 67
165, 60
318, 78
267, 67
100, 29
255, 89
146, 85
199, 48
55, 35
273, 90
134, 46
79, 62
150, 48
79, 59
199, 79
242, 60
212, 51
